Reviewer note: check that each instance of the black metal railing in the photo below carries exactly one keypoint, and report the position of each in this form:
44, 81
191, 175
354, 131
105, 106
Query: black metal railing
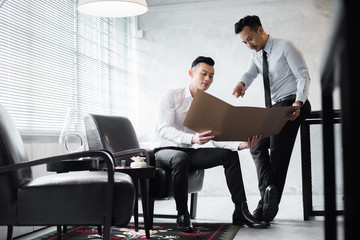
313, 165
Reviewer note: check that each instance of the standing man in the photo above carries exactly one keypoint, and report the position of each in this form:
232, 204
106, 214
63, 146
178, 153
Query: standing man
176, 150
286, 82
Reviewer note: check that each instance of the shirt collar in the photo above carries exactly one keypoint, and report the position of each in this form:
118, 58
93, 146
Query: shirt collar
268, 45
187, 92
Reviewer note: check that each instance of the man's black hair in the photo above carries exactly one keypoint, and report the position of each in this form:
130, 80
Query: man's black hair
253, 22
207, 60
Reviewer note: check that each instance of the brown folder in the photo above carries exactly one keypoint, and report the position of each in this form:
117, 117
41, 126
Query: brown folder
232, 123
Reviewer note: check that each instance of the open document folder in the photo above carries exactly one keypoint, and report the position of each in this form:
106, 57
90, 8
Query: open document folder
231, 123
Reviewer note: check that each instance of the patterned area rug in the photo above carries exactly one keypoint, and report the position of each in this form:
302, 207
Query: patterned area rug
208, 231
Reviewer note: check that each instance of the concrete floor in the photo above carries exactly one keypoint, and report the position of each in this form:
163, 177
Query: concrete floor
288, 225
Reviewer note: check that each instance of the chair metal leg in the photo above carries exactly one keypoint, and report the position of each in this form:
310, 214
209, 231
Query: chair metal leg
193, 205
107, 231
193, 208
9, 232
58, 232
100, 230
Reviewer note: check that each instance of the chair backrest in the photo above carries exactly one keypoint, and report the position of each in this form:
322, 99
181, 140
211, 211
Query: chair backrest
112, 133
12, 151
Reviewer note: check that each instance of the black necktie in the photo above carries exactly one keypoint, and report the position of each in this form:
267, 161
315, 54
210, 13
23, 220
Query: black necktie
266, 81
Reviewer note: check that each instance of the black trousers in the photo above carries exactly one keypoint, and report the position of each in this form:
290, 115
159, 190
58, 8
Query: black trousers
272, 167
183, 160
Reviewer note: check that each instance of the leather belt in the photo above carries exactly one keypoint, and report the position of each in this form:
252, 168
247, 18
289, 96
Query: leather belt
290, 97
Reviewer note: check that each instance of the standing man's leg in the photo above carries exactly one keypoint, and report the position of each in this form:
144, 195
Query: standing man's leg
281, 150
261, 157
283, 144
281, 147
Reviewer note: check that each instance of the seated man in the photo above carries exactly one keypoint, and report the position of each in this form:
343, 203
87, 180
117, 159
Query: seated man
176, 151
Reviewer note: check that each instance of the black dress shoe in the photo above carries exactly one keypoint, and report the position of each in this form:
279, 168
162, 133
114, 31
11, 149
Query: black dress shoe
183, 222
271, 203
242, 216
258, 214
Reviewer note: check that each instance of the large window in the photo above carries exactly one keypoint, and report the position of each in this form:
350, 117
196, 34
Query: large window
54, 59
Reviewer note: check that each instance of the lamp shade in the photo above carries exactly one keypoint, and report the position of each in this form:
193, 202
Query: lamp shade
113, 8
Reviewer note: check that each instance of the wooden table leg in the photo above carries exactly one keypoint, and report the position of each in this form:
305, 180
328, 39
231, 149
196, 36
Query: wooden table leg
136, 207
145, 204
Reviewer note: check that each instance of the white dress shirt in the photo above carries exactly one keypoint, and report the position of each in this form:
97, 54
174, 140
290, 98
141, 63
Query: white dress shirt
288, 73
173, 108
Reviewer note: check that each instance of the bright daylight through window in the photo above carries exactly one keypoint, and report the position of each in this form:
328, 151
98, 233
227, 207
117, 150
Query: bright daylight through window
54, 59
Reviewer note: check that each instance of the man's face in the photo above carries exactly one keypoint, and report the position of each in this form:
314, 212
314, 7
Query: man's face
253, 39
202, 76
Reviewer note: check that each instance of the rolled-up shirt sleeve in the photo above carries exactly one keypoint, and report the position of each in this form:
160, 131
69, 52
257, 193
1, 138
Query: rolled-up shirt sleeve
234, 146
251, 73
298, 66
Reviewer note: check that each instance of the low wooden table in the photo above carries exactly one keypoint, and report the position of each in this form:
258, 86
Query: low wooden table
140, 176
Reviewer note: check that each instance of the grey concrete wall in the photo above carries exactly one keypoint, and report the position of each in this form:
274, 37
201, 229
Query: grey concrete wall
174, 33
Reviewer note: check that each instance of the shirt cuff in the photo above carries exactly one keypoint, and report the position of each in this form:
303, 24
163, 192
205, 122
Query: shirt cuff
301, 98
246, 83
187, 138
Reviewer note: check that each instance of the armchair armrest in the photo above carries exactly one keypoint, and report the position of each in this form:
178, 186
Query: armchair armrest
151, 154
103, 154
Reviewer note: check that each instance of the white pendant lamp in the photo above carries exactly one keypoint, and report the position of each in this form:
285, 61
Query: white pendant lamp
113, 8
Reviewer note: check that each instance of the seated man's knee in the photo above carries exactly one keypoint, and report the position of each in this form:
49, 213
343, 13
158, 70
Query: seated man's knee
229, 155
180, 160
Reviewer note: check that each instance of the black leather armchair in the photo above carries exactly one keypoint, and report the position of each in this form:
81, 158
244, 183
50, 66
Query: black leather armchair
76, 198
115, 134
